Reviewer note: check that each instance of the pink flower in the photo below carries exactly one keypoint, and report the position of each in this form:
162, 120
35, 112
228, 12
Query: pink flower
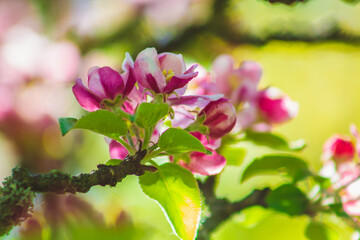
276, 107
238, 84
162, 73
203, 164
220, 117
339, 148
104, 83
117, 151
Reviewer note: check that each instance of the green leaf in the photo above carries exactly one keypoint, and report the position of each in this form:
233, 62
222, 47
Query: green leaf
177, 192
288, 199
102, 121
148, 114
113, 162
234, 155
275, 164
176, 140
316, 231
273, 141
66, 124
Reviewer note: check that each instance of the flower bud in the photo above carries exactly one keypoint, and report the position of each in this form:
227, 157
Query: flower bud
339, 148
276, 107
220, 117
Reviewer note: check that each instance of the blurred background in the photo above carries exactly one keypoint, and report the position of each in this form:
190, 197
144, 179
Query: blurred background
309, 49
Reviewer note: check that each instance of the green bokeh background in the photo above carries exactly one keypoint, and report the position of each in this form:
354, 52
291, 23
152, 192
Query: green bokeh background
319, 71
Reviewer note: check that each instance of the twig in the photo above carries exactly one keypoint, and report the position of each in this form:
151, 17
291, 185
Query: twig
18, 190
222, 209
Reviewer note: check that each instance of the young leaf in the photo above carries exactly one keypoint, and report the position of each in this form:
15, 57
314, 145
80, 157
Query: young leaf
148, 114
316, 231
273, 141
176, 140
113, 162
66, 124
101, 121
234, 155
274, 164
177, 192
288, 199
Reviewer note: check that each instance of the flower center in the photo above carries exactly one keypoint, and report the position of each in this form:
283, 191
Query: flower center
168, 74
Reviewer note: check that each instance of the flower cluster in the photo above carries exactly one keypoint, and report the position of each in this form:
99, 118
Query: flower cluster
258, 110
202, 104
340, 165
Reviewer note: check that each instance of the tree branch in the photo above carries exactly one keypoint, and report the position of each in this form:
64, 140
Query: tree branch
18, 190
222, 209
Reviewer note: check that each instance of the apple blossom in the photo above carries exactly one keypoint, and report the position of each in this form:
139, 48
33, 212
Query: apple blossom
339, 148
220, 117
162, 73
275, 107
104, 84
238, 84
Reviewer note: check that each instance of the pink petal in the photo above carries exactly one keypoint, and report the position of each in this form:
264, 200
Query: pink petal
205, 164
206, 141
220, 117
194, 101
148, 74
251, 71
111, 81
352, 207
340, 148
182, 118
355, 132
171, 61
86, 99
117, 151
128, 62
275, 106
223, 68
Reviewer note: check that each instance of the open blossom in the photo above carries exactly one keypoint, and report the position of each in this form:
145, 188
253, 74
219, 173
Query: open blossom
162, 73
104, 83
276, 107
343, 171
203, 164
220, 117
239, 84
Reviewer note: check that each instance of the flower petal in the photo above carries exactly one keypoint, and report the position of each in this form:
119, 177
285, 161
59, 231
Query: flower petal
89, 101
181, 80
172, 61
194, 101
111, 81
117, 151
205, 164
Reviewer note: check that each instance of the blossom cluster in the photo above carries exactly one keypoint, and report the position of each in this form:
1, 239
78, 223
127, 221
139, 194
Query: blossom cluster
207, 106
340, 155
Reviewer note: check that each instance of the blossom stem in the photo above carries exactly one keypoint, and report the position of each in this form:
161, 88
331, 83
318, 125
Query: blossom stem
126, 145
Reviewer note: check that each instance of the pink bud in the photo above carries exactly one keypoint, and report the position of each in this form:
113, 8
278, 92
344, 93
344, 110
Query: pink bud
220, 117
339, 148
276, 107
